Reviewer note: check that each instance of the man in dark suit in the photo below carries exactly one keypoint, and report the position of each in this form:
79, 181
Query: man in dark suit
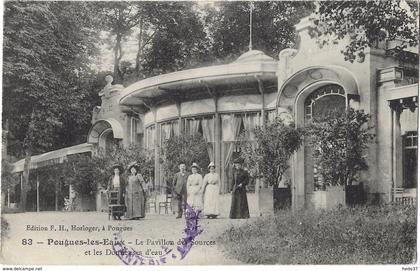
179, 188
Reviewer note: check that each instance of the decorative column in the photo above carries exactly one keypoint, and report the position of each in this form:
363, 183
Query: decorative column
37, 192
391, 151
261, 91
178, 106
263, 124
217, 132
217, 140
157, 151
56, 195
8, 197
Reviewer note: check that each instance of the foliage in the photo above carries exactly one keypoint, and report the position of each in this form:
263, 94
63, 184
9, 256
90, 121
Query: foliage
47, 45
5, 228
179, 39
170, 37
184, 148
124, 156
269, 155
8, 179
339, 142
86, 174
365, 23
119, 18
272, 26
362, 235
82, 173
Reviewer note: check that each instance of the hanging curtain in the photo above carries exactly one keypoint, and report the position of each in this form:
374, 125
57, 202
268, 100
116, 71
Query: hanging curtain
150, 134
251, 121
230, 132
208, 129
193, 126
271, 115
408, 120
174, 128
208, 134
165, 131
227, 128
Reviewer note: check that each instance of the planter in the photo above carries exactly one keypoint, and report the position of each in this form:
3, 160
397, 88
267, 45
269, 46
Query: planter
332, 197
282, 198
355, 195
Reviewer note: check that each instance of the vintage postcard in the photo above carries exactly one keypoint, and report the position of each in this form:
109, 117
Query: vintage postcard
209, 133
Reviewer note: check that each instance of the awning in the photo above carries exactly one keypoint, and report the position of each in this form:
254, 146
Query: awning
52, 157
195, 83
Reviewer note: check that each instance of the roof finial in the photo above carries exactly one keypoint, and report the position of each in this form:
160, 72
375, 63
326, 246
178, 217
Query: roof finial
251, 6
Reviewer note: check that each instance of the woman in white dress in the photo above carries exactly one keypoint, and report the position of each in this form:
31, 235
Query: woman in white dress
194, 188
211, 192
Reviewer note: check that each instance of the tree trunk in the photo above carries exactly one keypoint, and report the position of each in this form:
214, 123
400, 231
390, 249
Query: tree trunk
28, 142
139, 50
25, 183
117, 58
57, 185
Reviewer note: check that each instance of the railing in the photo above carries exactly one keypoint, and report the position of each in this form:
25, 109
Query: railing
403, 196
406, 201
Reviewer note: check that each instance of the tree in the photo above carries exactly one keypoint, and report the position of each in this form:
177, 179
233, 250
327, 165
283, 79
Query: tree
86, 174
8, 179
269, 155
119, 18
365, 24
272, 26
178, 40
339, 142
184, 148
46, 46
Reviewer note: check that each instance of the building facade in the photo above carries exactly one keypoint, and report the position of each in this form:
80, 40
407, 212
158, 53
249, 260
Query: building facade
221, 102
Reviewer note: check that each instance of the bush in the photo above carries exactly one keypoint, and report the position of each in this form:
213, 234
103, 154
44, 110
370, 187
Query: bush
84, 173
339, 142
4, 228
362, 235
184, 148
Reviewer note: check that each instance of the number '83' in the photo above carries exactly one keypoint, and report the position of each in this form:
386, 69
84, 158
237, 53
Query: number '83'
26, 242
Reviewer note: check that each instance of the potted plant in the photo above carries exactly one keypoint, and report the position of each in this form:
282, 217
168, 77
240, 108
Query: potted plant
268, 157
338, 142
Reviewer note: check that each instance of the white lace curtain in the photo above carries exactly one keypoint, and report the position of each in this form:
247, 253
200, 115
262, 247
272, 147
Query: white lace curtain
150, 137
408, 121
271, 115
208, 134
168, 129
251, 121
231, 125
192, 126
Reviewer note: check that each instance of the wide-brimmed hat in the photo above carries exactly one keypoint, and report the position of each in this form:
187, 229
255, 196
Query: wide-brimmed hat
238, 160
195, 165
120, 167
211, 165
135, 165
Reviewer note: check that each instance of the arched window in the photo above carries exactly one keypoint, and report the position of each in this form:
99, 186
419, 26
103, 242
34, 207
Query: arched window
318, 105
324, 100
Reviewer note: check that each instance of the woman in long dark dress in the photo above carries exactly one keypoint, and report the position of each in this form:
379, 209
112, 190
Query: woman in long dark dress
239, 207
135, 199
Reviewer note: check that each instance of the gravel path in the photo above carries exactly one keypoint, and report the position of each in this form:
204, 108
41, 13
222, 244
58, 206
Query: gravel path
154, 227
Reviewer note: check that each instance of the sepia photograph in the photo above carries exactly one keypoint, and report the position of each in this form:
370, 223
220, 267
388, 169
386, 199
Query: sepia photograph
209, 133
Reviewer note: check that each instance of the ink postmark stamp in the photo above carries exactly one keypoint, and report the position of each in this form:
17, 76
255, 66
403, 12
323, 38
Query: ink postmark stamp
167, 252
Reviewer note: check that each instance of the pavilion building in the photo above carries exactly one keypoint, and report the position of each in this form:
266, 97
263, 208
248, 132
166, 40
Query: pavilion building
221, 102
